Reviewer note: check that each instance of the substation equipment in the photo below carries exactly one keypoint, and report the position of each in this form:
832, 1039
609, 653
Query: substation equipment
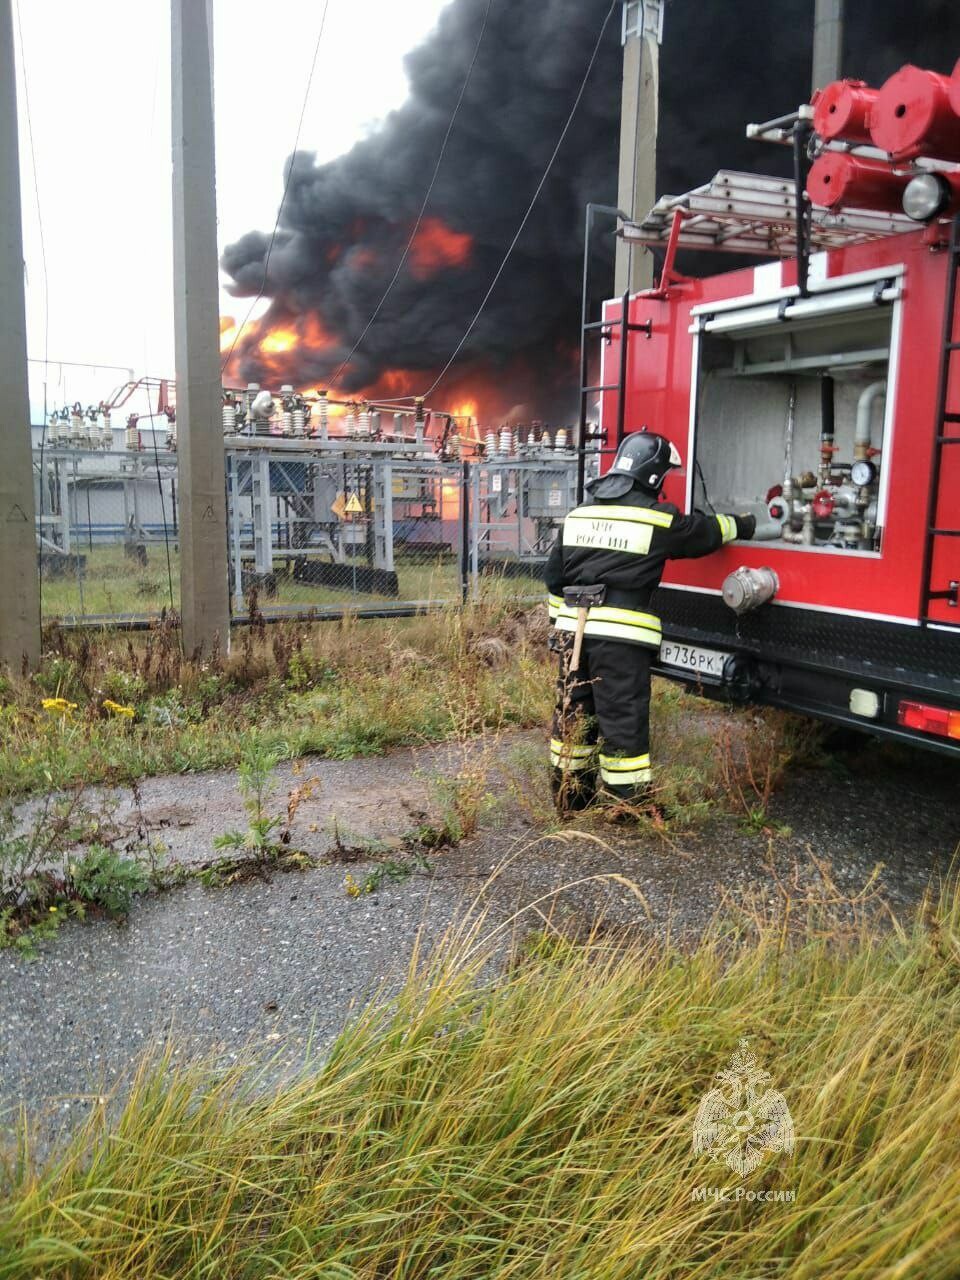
338, 500
820, 391
324, 493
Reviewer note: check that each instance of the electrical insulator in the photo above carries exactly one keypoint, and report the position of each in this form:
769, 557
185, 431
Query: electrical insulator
419, 420
172, 436
546, 441
363, 422
299, 420
842, 110
913, 116
351, 422
506, 441
324, 419
838, 180
490, 444
63, 427
130, 434
76, 425
560, 441
229, 416
106, 430
286, 410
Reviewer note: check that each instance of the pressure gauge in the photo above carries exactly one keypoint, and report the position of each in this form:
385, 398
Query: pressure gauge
863, 472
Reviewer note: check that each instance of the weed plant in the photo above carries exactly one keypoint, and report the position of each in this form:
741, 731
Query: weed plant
337, 690
61, 860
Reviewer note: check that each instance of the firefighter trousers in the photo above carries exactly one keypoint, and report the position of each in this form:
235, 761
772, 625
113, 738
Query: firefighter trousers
601, 723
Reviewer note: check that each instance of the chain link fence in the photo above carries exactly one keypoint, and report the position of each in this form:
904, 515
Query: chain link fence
107, 547
310, 532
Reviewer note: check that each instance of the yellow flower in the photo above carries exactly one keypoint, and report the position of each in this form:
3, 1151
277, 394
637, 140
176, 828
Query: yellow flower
53, 908
351, 886
117, 709
59, 705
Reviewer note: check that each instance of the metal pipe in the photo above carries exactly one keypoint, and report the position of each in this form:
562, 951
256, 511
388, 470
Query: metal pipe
802, 210
464, 532
788, 450
862, 433
622, 380
827, 425
591, 210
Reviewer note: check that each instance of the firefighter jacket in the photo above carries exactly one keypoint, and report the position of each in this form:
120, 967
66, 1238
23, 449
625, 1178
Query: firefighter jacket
623, 543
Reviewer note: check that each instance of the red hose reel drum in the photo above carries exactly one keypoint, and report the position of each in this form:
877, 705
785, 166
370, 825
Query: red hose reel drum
914, 116
842, 110
955, 89
837, 180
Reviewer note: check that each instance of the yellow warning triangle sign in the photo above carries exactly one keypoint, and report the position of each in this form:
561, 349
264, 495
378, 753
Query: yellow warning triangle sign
353, 503
339, 507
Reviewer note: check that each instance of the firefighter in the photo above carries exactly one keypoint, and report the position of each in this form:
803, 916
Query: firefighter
602, 571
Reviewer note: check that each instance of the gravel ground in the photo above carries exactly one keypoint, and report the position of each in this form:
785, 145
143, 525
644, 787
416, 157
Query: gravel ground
281, 963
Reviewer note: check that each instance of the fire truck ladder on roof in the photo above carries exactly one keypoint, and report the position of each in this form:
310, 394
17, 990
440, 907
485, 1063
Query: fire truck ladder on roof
947, 435
605, 329
749, 213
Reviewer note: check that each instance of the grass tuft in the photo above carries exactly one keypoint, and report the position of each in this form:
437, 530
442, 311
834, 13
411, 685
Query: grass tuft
541, 1126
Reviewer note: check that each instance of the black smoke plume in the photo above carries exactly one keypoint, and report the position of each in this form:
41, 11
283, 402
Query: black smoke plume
345, 223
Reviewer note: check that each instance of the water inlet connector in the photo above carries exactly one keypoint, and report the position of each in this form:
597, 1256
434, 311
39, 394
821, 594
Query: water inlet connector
747, 589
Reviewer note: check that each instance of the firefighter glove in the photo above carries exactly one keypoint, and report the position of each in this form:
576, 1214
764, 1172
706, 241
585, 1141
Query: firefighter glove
746, 526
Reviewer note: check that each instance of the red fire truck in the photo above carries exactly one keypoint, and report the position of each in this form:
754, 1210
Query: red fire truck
819, 390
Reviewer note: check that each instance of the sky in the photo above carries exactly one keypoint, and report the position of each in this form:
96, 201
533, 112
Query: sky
97, 76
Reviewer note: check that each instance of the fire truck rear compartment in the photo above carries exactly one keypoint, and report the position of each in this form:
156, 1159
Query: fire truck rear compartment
790, 426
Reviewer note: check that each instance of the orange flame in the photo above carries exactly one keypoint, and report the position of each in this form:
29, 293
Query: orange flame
436, 246
278, 340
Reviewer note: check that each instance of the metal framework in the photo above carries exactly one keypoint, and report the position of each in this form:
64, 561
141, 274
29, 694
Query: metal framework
751, 214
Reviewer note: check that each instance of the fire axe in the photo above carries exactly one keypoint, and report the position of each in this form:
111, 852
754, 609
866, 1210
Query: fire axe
582, 599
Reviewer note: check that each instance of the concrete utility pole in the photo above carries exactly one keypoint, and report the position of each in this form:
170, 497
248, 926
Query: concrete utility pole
19, 581
827, 42
637, 187
204, 601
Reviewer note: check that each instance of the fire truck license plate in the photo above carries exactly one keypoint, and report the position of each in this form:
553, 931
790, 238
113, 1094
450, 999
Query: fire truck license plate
705, 662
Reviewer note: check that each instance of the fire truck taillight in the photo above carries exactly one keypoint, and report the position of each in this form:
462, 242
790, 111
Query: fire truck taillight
939, 720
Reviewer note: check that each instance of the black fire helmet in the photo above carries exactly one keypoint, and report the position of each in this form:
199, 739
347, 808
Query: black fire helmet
643, 459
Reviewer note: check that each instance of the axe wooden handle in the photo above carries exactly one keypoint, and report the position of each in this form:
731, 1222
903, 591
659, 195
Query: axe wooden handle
578, 639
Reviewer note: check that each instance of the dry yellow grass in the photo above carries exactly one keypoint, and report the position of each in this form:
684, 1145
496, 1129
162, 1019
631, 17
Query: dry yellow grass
540, 1126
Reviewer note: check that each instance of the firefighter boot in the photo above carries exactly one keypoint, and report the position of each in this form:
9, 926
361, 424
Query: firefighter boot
627, 804
572, 790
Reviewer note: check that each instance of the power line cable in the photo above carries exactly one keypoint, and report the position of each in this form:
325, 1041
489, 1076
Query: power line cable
423, 206
526, 217
46, 291
283, 198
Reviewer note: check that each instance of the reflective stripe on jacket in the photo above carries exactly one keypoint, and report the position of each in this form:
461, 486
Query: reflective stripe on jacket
630, 625
624, 545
